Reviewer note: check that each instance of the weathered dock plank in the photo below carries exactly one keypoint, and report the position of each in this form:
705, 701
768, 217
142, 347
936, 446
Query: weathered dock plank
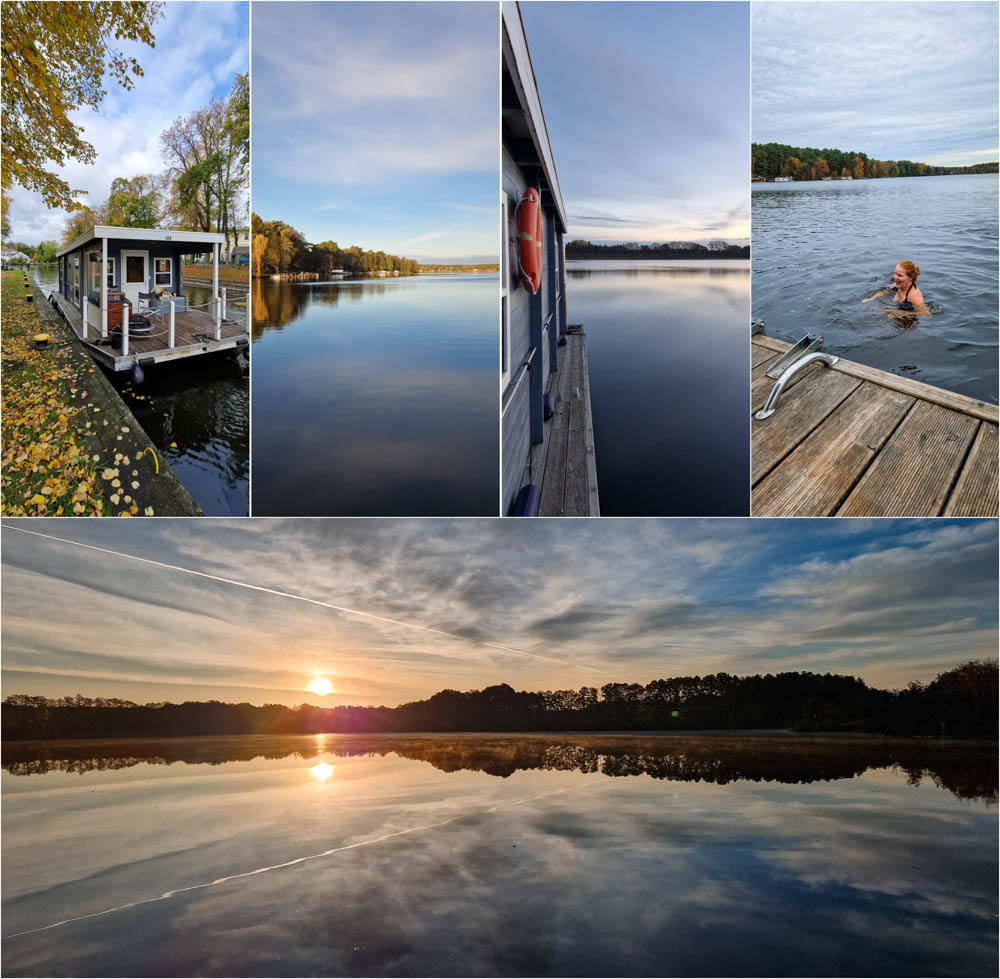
913, 474
975, 493
566, 457
802, 408
851, 440
817, 475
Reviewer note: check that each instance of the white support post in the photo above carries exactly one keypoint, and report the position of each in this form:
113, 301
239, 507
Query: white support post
215, 271
125, 309
170, 337
104, 287
223, 302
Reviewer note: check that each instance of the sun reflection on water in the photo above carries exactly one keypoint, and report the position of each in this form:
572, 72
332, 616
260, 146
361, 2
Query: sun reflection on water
322, 771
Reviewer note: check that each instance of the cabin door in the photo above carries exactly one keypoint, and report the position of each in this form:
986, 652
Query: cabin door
135, 275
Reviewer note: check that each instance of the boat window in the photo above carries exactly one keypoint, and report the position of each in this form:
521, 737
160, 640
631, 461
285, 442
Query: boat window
111, 273
163, 271
76, 278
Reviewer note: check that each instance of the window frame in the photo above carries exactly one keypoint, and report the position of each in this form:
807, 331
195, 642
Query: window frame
157, 273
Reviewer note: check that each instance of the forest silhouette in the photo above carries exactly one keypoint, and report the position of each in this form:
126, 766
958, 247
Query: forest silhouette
959, 703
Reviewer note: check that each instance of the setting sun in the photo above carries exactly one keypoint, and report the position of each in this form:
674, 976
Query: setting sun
320, 686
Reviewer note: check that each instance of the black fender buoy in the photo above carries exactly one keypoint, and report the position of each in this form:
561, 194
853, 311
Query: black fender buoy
527, 502
138, 374
548, 406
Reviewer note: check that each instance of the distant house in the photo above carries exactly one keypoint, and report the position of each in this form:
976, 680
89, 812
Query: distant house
237, 245
531, 324
10, 257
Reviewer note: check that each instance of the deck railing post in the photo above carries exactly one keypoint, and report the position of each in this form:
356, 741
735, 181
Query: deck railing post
218, 319
125, 309
170, 335
104, 287
223, 302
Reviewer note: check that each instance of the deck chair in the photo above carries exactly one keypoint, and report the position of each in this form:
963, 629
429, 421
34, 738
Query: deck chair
141, 321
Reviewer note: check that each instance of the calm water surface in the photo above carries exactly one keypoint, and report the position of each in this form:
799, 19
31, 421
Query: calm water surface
196, 413
819, 248
376, 397
533, 855
668, 356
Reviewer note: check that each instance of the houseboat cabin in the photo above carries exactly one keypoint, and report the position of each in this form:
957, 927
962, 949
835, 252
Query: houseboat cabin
122, 292
548, 467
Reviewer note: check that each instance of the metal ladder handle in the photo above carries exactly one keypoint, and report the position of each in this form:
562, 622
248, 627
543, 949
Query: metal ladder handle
770, 406
809, 343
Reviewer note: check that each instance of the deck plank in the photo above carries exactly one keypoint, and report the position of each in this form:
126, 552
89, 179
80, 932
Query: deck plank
820, 472
803, 406
975, 493
569, 484
553, 489
913, 474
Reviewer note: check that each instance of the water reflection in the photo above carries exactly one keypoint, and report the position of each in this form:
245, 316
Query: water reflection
966, 769
375, 398
322, 771
575, 863
669, 359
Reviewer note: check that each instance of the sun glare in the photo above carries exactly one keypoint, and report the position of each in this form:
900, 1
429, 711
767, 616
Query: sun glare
322, 771
321, 686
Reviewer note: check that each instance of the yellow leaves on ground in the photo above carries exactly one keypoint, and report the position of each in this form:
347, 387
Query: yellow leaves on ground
43, 465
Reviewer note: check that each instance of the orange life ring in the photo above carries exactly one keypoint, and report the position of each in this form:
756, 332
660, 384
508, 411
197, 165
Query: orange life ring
529, 226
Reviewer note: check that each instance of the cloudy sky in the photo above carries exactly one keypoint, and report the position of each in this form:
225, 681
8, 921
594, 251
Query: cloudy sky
647, 108
572, 603
375, 124
200, 47
898, 81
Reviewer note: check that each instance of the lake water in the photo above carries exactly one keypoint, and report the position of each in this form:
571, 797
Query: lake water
669, 358
499, 855
376, 397
819, 248
196, 412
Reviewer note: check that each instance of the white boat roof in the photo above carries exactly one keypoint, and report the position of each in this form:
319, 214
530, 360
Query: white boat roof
145, 234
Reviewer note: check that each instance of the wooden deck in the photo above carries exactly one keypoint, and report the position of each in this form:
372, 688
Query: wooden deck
565, 457
855, 441
194, 334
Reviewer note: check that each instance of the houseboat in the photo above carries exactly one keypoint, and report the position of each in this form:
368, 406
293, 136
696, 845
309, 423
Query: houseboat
121, 291
548, 464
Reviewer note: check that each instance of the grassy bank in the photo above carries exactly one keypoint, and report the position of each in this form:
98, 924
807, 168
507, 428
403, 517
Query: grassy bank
69, 445
241, 274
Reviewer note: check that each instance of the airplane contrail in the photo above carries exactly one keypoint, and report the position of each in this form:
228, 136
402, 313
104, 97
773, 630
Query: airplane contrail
291, 863
310, 601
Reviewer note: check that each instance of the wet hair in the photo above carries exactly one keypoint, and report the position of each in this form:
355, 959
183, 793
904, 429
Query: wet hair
910, 269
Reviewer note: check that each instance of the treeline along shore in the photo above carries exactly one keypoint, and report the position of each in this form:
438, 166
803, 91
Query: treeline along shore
961, 702
277, 247
771, 160
578, 248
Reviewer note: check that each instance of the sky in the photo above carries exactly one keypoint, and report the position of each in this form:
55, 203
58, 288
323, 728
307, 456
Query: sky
200, 47
376, 124
897, 81
647, 110
571, 603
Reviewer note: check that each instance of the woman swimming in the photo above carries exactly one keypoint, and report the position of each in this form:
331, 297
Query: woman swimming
908, 297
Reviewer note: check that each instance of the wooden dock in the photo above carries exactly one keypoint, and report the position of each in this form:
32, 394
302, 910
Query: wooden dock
855, 441
194, 335
565, 458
